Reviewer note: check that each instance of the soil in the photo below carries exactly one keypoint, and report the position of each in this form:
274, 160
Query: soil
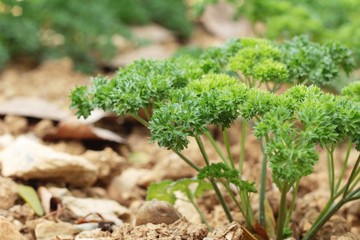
146, 163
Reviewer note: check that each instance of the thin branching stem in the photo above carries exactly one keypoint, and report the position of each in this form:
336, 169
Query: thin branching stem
352, 176
147, 114
202, 149
227, 145
344, 166
322, 219
292, 204
331, 169
331, 208
198, 210
244, 124
262, 189
216, 147
140, 120
213, 182
282, 212
188, 161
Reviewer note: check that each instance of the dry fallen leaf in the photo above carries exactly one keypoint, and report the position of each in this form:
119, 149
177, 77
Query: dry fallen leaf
75, 129
32, 107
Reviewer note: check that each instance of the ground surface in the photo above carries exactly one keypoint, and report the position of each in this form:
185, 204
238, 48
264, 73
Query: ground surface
123, 170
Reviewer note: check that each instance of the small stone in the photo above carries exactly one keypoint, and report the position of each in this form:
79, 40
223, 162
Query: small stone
8, 231
8, 193
48, 230
157, 212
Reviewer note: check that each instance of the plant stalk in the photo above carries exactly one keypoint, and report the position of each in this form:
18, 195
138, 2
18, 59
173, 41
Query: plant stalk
213, 183
140, 119
216, 147
198, 210
262, 189
188, 161
323, 219
292, 204
244, 124
227, 145
344, 166
282, 213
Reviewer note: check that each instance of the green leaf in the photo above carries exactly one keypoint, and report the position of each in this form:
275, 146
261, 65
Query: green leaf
161, 191
30, 197
165, 190
185, 186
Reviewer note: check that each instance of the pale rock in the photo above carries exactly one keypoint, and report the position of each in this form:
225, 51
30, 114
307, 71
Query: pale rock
48, 230
108, 162
8, 231
8, 193
25, 158
110, 210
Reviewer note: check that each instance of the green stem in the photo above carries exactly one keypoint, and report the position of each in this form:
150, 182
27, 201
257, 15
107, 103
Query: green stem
216, 146
227, 145
221, 200
321, 220
331, 169
352, 176
140, 120
188, 161
292, 204
330, 209
202, 150
248, 222
262, 189
147, 114
282, 213
244, 196
244, 124
213, 183
275, 87
355, 182
344, 166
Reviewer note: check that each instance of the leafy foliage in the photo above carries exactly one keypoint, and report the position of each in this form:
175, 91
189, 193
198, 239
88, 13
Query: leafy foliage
312, 63
141, 84
212, 100
259, 59
43, 29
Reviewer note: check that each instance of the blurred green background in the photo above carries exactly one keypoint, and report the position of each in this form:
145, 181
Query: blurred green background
84, 29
